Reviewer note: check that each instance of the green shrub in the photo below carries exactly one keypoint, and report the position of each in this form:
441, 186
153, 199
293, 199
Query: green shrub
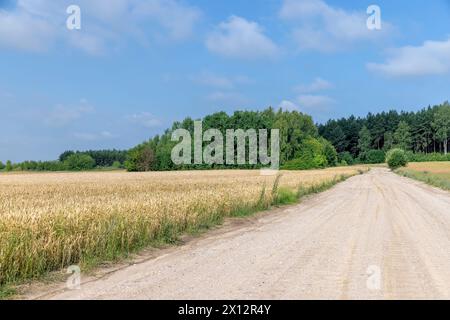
9, 166
310, 156
330, 153
79, 162
141, 158
63, 157
50, 166
117, 165
372, 157
313, 154
2, 165
396, 158
346, 157
343, 163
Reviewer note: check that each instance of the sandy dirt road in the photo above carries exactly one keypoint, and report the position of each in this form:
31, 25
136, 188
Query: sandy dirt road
375, 236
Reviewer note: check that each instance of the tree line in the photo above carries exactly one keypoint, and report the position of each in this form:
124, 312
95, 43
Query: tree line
424, 132
303, 145
73, 161
299, 139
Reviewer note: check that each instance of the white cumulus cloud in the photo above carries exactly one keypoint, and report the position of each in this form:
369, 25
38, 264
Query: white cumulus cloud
431, 58
178, 19
319, 26
240, 38
21, 30
36, 25
288, 106
318, 84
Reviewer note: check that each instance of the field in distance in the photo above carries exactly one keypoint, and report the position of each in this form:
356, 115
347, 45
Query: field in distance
434, 173
51, 220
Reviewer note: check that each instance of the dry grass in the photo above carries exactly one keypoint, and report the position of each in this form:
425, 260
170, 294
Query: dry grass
51, 220
431, 167
433, 173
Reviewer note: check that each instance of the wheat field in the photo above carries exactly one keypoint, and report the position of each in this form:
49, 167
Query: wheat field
51, 220
441, 168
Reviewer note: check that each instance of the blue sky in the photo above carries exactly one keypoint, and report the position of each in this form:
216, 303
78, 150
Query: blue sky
136, 66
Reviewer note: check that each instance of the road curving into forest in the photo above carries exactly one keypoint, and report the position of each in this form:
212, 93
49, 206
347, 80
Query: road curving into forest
374, 236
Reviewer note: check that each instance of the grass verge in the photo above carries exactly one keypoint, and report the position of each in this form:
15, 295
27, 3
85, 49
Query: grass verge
6, 292
434, 179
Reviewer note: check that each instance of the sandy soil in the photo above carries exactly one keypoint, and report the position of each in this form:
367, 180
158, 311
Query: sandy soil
375, 236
